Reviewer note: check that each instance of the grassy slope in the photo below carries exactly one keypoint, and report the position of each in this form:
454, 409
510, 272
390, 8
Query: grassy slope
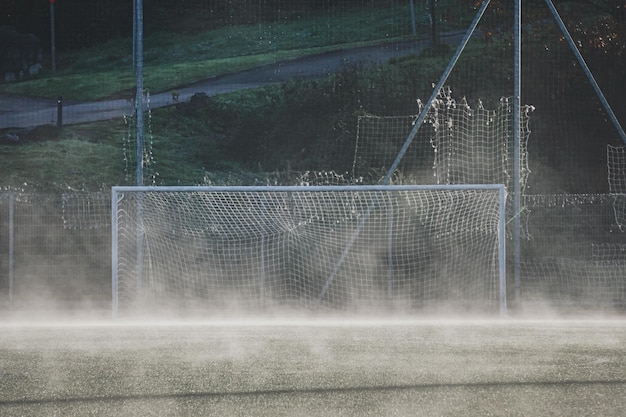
86, 157
174, 59
97, 155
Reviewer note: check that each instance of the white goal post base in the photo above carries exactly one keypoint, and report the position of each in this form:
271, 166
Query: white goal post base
357, 248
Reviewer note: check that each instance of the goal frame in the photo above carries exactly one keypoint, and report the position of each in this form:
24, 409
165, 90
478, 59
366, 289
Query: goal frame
500, 188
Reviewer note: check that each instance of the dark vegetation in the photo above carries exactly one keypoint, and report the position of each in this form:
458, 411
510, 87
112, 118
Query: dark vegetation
311, 125
84, 24
278, 129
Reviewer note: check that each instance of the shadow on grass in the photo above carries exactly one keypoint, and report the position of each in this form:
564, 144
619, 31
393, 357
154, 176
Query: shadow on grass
305, 391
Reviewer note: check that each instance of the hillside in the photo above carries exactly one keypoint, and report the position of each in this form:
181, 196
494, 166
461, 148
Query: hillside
304, 125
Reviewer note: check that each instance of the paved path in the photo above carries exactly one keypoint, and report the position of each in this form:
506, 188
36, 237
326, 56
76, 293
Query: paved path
22, 112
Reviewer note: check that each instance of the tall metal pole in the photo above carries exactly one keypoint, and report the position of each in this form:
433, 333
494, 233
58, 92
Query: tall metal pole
502, 252
432, 13
134, 35
139, 93
139, 114
516, 150
413, 23
114, 254
53, 58
11, 245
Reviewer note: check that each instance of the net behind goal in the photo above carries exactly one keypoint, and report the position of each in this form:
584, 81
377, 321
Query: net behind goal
338, 247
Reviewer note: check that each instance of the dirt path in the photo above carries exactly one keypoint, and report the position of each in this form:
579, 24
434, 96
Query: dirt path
18, 112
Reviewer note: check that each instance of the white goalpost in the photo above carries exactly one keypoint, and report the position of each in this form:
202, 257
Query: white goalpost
348, 248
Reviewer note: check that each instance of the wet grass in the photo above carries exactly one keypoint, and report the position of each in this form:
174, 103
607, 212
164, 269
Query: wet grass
174, 59
99, 155
382, 368
88, 157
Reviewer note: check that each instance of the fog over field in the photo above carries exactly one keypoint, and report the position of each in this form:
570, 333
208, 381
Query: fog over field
315, 367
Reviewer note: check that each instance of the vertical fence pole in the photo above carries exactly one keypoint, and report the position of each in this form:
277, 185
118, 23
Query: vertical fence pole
502, 251
53, 58
139, 93
390, 264
114, 254
134, 35
60, 111
139, 114
432, 13
413, 23
11, 245
516, 151
262, 266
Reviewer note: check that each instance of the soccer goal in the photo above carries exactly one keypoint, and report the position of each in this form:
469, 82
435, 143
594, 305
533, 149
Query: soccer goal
346, 248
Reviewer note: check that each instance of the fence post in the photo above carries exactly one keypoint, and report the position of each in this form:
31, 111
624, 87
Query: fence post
11, 243
60, 111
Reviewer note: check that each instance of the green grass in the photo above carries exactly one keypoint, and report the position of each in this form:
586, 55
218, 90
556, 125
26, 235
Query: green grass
174, 59
89, 86
535, 368
186, 148
189, 142
86, 157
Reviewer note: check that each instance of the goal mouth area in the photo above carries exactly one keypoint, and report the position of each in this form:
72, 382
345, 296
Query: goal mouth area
345, 248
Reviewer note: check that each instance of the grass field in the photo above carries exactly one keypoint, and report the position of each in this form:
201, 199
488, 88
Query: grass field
315, 368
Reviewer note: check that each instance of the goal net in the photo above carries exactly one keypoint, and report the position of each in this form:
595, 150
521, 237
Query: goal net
616, 164
358, 248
